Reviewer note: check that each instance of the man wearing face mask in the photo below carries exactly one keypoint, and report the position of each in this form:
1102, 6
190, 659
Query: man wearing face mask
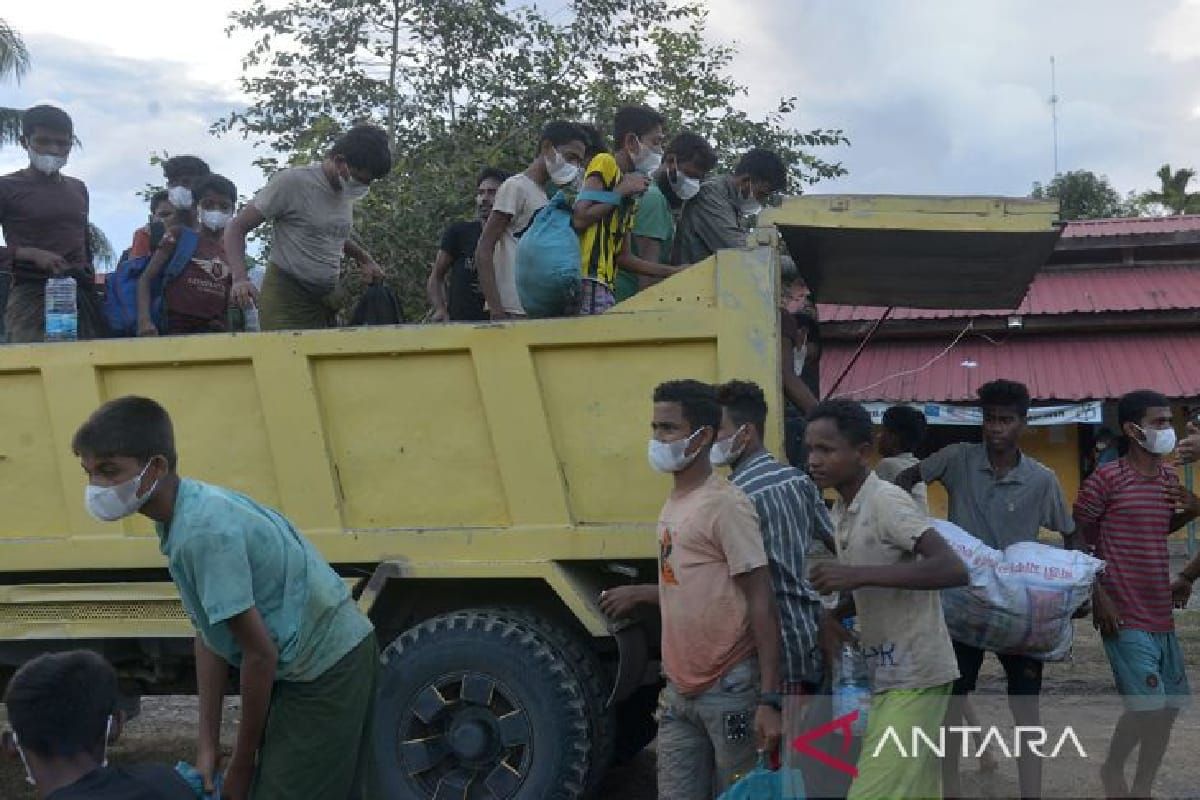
63, 711
44, 218
262, 599
1127, 508
605, 227
180, 173
720, 631
560, 153
687, 161
195, 296
312, 211
716, 219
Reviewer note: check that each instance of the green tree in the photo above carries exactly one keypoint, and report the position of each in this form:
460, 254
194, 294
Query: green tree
1173, 194
1083, 194
14, 63
464, 84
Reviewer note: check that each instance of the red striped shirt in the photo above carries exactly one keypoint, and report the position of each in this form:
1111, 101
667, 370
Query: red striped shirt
1133, 516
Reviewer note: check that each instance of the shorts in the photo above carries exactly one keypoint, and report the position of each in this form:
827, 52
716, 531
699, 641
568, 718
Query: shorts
1024, 674
595, 298
884, 771
1149, 670
707, 740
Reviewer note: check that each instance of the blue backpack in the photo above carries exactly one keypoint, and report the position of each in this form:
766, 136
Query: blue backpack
549, 265
120, 291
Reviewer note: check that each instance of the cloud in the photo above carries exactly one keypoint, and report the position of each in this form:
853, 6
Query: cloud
124, 110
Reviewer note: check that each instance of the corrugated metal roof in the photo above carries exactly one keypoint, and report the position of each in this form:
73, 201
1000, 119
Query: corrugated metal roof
1169, 287
1177, 223
1054, 368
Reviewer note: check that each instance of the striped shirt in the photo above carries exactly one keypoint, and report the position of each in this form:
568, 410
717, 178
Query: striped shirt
600, 244
1134, 518
791, 515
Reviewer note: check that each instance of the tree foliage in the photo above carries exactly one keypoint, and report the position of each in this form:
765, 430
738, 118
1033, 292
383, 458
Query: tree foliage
1083, 194
466, 84
1172, 194
14, 63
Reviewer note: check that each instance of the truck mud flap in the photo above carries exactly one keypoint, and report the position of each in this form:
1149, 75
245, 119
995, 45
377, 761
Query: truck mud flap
633, 658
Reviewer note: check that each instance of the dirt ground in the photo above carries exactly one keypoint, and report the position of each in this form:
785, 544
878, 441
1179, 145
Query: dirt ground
1078, 693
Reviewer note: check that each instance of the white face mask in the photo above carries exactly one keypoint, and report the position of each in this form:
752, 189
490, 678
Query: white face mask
749, 205
111, 503
46, 163
180, 196
215, 220
684, 186
562, 172
25, 763
649, 159
1159, 441
723, 453
355, 189
671, 457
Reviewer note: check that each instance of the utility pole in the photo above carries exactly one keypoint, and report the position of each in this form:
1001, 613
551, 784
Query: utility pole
1054, 111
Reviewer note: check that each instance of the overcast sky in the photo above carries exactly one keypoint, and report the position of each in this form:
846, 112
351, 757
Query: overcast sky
937, 96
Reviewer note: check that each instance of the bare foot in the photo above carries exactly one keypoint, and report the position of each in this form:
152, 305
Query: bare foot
1113, 778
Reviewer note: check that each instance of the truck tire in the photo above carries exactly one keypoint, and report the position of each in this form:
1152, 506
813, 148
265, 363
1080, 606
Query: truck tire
479, 704
594, 681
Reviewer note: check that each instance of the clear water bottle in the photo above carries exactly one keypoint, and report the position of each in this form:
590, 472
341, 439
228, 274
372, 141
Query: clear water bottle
851, 686
62, 315
250, 319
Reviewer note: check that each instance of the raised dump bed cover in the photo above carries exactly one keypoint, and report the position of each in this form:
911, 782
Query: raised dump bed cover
917, 252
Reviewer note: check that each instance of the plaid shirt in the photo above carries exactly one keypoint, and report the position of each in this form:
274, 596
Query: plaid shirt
792, 515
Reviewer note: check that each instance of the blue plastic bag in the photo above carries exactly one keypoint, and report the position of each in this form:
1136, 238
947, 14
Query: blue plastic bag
192, 777
549, 264
759, 783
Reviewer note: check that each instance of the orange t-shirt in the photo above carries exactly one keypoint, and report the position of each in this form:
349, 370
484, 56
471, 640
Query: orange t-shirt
706, 538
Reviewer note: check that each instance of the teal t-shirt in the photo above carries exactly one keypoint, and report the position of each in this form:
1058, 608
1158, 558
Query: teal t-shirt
227, 554
654, 221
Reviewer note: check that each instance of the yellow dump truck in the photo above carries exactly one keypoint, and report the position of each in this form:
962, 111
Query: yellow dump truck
478, 485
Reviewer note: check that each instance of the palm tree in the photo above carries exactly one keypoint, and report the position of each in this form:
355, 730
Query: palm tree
14, 62
1174, 195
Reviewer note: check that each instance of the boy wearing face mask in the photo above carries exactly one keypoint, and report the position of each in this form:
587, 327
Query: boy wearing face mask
720, 631
605, 228
44, 218
688, 160
716, 218
63, 711
181, 174
312, 212
263, 600
560, 153
196, 300
1127, 508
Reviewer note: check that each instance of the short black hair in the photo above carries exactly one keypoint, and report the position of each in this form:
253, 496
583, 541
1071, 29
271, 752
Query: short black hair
908, 424
59, 703
365, 147
691, 148
853, 421
136, 427
560, 132
158, 198
181, 166
638, 120
698, 401
218, 184
594, 141
1133, 406
51, 118
764, 165
745, 402
1005, 394
492, 173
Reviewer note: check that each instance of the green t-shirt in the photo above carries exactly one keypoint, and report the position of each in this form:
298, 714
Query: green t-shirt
227, 554
654, 221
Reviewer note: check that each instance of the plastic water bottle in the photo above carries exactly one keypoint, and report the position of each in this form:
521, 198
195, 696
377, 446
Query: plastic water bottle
250, 319
851, 688
62, 316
